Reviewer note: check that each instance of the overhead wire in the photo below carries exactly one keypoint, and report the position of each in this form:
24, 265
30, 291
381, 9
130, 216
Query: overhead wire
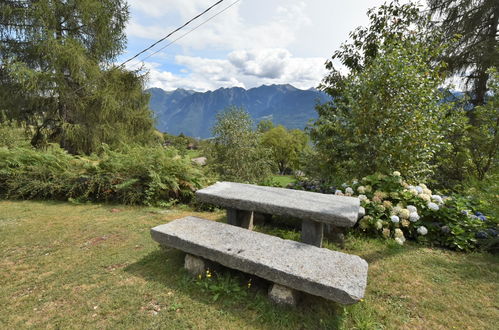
172, 32
193, 29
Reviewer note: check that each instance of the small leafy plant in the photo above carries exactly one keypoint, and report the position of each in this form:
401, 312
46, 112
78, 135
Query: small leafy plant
221, 285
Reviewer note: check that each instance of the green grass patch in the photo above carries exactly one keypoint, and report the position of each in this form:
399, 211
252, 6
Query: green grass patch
95, 266
283, 180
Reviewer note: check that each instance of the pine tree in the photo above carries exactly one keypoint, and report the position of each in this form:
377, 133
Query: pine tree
476, 23
56, 72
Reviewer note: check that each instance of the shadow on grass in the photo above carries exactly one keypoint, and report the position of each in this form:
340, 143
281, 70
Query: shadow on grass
165, 267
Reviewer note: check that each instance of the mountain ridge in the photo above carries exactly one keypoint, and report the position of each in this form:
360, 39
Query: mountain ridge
194, 113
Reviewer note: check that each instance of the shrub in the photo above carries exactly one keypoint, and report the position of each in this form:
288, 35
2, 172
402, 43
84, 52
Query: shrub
135, 175
236, 153
388, 116
398, 210
395, 209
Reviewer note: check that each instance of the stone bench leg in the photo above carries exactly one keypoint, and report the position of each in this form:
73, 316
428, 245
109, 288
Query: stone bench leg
194, 265
283, 295
336, 235
240, 218
312, 232
261, 219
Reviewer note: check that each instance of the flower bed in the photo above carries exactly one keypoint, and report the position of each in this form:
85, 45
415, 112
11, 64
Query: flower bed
395, 209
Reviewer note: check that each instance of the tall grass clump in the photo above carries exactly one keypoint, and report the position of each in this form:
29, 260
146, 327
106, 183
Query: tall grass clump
133, 175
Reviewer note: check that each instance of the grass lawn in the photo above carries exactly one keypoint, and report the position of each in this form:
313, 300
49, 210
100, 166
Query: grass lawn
95, 266
283, 180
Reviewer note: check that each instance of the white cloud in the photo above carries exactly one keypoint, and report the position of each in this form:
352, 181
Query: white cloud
252, 43
242, 68
228, 31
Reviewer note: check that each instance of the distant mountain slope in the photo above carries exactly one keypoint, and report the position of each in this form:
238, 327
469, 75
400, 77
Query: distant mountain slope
193, 113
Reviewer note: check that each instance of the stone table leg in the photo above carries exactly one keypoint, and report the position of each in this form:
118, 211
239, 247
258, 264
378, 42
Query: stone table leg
312, 232
261, 219
283, 295
336, 235
240, 218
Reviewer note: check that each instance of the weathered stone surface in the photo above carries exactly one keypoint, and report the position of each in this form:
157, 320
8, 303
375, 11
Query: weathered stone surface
312, 232
333, 275
283, 295
340, 211
194, 265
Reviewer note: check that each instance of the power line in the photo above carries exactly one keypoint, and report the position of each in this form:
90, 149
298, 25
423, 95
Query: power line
169, 34
195, 28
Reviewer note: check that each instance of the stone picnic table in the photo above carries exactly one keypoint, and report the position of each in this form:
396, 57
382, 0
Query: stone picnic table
315, 210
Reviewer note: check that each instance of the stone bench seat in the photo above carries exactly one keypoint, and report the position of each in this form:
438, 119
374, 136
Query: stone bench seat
321, 272
315, 209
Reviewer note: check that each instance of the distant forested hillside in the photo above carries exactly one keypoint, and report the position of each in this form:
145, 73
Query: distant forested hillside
193, 113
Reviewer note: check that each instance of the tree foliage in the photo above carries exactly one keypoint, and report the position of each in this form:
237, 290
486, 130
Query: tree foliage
56, 74
388, 23
236, 153
475, 23
286, 147
386, 116
484, 135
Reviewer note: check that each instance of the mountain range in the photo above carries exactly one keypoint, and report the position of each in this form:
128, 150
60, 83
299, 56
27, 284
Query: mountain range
194, 113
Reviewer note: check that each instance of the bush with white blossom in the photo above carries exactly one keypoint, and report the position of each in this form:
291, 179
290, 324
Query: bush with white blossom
398, 210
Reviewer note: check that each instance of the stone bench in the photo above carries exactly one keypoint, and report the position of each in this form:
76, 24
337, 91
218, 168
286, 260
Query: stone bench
314, 209
288, 264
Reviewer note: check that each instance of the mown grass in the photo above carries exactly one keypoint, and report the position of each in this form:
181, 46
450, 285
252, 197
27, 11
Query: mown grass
95, 266
283, 180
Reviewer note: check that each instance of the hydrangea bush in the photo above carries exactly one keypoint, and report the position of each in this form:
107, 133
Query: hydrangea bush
395, 209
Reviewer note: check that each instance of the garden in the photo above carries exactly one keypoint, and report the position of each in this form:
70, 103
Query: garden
84, 176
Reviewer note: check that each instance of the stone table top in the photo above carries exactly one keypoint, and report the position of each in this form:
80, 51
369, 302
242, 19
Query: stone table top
322, 272
341, 211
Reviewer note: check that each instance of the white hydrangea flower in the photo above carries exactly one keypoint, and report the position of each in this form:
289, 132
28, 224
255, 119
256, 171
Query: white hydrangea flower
399, 233
412, 208
395, 219
419, 189
379, 225
426, 198
338, 192
396, 210
354, 182
362, 197
413, 191
396, 173
427, 191
437, 199
432, 206
422, 185
349, 191
344, 185
361, 189
400, 240
404, 213
414, 217
422, 230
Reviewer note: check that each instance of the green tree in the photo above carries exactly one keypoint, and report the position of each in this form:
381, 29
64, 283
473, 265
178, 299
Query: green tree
56, 74
388, 116
264, 125
236, 153
476, 23
484, 134
387, 23
286, 147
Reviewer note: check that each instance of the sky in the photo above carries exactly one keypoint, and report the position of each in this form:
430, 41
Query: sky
251, 43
